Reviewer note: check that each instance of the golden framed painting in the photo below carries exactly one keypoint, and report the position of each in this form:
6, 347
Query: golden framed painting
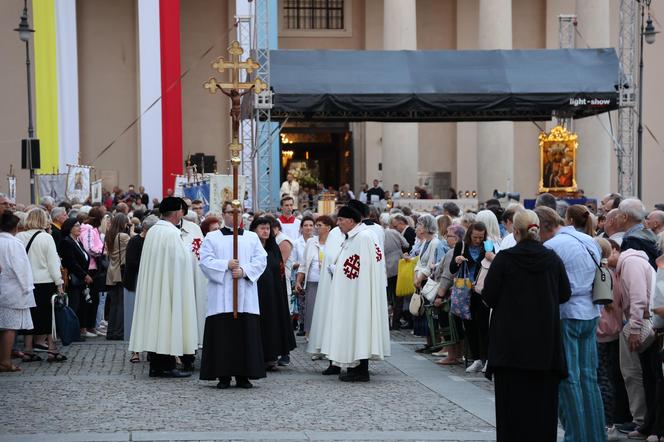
558, 161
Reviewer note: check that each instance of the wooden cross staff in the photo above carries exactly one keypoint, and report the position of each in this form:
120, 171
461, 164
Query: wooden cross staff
235, 89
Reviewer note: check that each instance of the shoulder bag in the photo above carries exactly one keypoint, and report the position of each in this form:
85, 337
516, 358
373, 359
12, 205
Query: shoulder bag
460, 298
603, 283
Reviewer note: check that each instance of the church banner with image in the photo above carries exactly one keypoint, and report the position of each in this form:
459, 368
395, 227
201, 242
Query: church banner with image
11, 188
199, 190
221, 189
78, 183
53, 185
96, 191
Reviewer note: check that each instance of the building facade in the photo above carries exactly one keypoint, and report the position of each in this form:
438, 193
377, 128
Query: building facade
112, 104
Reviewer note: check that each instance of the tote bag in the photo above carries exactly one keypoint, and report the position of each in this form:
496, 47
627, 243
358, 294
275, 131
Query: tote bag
406, 277
460, 298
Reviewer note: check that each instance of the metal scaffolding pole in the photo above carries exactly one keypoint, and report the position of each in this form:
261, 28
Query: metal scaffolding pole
628, 46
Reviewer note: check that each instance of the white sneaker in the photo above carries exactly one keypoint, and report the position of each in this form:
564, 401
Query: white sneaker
484, 368
87, 334
475, 367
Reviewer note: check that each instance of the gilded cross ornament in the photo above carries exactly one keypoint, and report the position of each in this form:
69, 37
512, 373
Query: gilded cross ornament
235, 89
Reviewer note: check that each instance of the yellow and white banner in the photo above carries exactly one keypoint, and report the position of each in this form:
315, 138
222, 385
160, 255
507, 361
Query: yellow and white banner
221, 189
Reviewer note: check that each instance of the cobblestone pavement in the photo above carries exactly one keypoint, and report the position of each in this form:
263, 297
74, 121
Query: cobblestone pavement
99, 395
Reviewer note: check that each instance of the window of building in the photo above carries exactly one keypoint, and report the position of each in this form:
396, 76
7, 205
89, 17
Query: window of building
314, 14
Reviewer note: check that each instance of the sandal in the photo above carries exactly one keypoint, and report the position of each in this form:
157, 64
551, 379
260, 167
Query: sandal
30, 357
54, 356
447, 361
10, 369
17, 354
135, 358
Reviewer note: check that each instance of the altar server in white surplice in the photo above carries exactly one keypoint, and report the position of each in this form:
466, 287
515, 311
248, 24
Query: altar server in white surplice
232, 346
358, 321
164, 320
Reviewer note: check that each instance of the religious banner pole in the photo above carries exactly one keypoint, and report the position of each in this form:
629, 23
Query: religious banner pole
235, 89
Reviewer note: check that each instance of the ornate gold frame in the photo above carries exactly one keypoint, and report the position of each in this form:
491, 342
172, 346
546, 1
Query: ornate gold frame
558, 161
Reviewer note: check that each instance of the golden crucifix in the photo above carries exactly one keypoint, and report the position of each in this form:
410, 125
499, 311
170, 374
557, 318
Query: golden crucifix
235, 89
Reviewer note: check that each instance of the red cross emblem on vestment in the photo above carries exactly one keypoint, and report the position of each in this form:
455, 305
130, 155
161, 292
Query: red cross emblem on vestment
196, 247
352, 266
379, 254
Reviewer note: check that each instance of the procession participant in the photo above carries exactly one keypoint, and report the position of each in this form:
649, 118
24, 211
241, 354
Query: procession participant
276, 327
291, 188
358, 321
165, 313
321, 314
375, 228
232, 347
192, 235
290, 225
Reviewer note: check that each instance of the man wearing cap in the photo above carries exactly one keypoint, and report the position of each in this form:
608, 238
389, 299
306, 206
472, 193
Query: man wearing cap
358, 324
165, 311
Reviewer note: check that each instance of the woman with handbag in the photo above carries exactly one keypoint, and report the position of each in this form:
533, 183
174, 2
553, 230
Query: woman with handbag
309, 270
16, 287
425, 229
525, 286
45, 265
116, 241
93, 245
470, 252
455, 234
76, 261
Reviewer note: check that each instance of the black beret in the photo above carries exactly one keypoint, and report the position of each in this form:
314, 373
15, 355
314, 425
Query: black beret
358, 205
349, 212
172, 204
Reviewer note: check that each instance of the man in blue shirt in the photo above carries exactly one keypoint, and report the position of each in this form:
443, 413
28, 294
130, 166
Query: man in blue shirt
581, 409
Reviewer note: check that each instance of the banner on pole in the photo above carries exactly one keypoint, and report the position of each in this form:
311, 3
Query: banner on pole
11, 188
221, 189
96, 191
53, 185
199, 190
78, 183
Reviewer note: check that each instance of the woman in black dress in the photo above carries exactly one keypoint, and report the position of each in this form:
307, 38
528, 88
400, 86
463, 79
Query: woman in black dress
525, 286
76, 260
276, 328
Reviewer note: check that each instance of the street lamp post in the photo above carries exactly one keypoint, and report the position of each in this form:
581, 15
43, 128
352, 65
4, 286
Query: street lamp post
648, 35
24, 33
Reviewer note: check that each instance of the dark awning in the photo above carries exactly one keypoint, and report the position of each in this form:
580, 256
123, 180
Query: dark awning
516, 85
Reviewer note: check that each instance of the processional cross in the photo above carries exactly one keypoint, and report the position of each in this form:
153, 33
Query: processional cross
235, 89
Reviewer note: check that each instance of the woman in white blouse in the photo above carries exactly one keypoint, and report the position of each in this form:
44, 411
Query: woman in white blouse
16, 286
45, 265
308, 273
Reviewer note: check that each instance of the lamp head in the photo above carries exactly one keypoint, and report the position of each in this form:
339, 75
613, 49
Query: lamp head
23, 29
650, 33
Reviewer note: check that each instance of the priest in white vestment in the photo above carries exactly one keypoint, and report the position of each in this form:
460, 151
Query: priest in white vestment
232, 347
164, 322
358, 318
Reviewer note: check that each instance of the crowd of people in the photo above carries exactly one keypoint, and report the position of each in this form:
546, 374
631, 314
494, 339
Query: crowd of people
505, 291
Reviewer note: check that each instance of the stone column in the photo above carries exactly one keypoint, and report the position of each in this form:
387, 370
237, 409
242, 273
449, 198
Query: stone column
495, 140
593, 157
400, 140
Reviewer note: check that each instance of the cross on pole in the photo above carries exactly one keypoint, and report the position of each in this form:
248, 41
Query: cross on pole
235, 89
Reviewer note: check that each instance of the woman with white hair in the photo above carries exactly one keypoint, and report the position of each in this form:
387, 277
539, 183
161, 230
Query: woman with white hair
426, 229
45, 265
492, 227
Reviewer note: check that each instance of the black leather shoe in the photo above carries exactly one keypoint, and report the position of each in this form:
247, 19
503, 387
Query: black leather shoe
332, 369
224, 383
174, 373
188, 367
242, 382
354, 376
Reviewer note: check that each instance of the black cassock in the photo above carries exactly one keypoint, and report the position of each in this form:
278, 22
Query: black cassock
276, 327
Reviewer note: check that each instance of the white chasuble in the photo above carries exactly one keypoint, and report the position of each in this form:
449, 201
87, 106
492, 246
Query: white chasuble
358, 318
193, 239
165, 309
320, 319
216, 251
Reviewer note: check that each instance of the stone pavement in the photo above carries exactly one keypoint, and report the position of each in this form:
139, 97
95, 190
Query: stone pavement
98, 395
